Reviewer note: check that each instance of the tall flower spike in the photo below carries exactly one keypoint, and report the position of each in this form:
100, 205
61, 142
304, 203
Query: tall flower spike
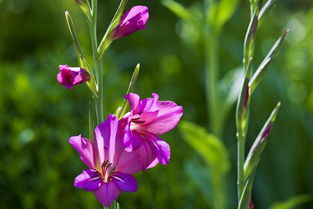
133, 20
72, 76
148, 119
110, 166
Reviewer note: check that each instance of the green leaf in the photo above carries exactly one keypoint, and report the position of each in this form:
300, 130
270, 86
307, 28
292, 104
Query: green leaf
73, 33
264, 66
292, 202
259, 144
179, 10
226, 9
266, 6
207, 145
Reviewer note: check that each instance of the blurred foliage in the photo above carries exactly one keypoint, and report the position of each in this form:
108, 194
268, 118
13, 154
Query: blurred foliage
292, 202
37, 115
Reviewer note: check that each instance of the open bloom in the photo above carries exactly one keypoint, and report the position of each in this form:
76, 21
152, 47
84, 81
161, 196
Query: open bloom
133, 20
72, 76
148, 119
110, 166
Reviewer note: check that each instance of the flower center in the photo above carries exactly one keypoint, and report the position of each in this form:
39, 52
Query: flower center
137, 119
106, 170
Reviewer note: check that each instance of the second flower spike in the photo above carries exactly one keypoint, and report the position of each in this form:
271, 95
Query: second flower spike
133, 20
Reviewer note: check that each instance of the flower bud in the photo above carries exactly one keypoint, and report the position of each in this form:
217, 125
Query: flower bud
72, 76
84, 6
133, 20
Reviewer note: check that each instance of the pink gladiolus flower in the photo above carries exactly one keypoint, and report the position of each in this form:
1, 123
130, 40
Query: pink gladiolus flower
110, 166
148, 119
133, 20
72, 76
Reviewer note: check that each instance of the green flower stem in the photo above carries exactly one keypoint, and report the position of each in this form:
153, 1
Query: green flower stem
97, 63
242, 110
212, 100
211, 51
240, 164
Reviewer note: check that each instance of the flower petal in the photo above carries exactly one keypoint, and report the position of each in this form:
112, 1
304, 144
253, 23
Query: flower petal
84, 147
137, 160
133, 20
131, 140
107, 193
72, 76
168, 116
125, 182
89, 180
149, 104
161, 149
105, 140
133, 100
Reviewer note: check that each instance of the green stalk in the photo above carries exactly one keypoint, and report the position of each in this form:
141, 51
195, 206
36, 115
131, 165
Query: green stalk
242, 110
242, 119
211, 51
240, 164
211, 72
97, 62
99, 102
212, 100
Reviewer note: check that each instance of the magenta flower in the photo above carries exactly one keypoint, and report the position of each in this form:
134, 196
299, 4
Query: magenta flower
133, 20
72, 76
110, 166
148, 119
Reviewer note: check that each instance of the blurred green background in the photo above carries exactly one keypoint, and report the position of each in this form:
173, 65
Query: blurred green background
37, 115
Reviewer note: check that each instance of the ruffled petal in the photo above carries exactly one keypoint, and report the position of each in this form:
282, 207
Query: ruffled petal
85, 149
161, 149
89, 180
168, 116
125, 182
149, 104
133, 100
107, 193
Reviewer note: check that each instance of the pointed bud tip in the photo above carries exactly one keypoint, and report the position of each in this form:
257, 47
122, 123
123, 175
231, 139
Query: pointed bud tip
80, 2
138, 66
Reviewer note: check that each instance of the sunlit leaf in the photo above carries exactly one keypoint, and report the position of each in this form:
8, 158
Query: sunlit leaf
220, 13
207, 145
292, 202
178, 9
